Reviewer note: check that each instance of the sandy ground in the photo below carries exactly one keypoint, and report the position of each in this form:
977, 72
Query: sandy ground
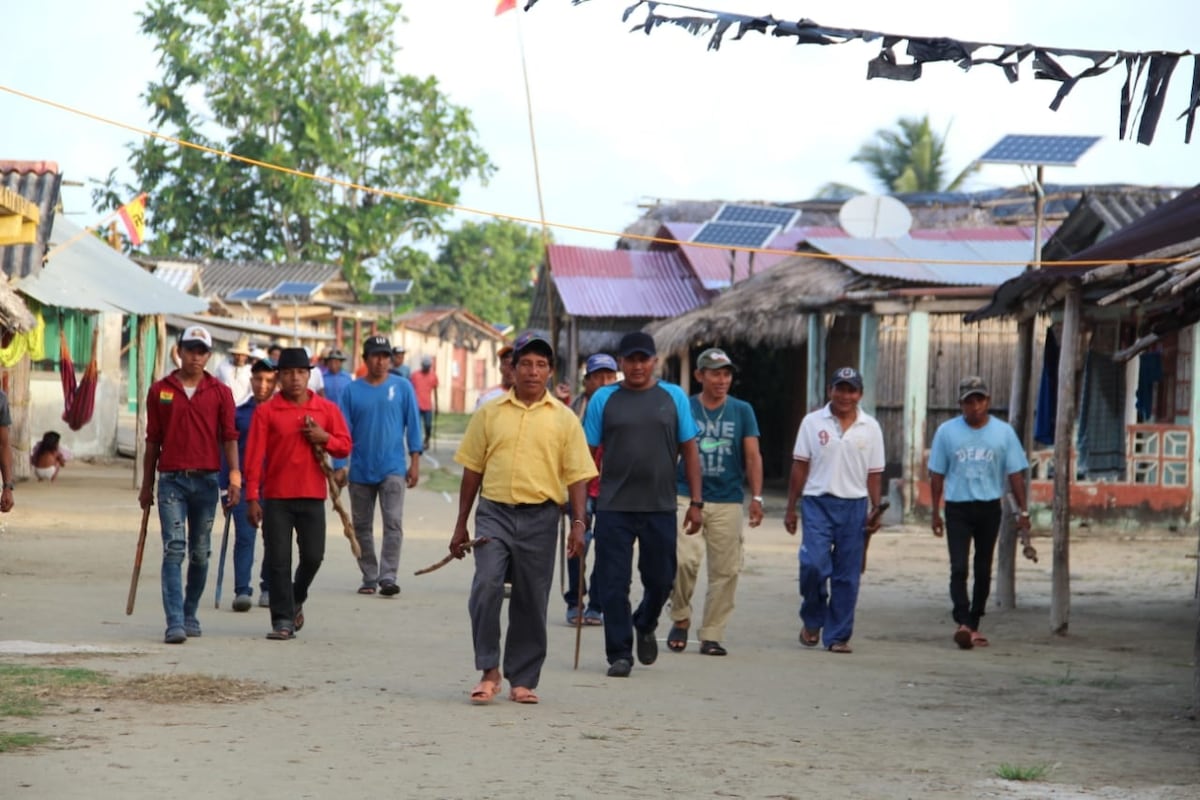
373, 693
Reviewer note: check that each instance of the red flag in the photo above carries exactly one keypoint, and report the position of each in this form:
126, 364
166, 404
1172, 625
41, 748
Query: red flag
505, 5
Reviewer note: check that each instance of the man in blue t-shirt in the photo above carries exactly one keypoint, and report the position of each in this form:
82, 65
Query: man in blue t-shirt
729, 458
971, 459
381, 413
336, 380
644, 426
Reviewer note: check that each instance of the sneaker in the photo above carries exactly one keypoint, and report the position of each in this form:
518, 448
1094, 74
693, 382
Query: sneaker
242, 602
175, 636
389, 588
620, 668
191, 627
593, 617
647, 647
264, 599
572, 617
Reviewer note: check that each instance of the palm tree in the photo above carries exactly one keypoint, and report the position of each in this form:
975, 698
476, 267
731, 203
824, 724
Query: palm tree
909, 158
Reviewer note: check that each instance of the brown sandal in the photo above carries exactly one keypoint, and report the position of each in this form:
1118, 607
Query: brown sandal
810, 638
840, 647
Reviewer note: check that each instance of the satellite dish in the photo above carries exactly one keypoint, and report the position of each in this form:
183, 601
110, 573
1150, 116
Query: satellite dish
875, 216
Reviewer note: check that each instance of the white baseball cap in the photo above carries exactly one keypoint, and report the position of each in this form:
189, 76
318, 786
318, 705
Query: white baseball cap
194, 334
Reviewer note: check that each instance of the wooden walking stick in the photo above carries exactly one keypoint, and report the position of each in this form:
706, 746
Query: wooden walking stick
579, 605
335, 494
221, 564
450, 556
137, 561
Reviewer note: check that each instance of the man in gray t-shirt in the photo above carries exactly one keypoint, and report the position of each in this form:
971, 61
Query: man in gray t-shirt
644, 426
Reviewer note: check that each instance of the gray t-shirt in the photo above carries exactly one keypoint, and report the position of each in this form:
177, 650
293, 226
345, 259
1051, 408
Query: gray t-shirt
5, 413
641, 432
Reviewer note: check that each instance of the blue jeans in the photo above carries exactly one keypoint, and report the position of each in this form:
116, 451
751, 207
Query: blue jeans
243, 553
571, 595
616, 531
186, 507
831, 555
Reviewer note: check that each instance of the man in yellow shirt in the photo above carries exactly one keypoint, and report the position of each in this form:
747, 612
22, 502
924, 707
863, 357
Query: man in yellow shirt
517, 454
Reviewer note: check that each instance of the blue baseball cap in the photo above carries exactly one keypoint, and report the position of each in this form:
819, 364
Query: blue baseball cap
532, 340
600, 361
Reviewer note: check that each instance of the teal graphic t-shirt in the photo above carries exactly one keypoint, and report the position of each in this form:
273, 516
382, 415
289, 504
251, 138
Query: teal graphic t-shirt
722, 460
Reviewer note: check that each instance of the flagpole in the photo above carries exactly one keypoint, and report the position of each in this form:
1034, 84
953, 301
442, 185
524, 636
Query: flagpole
537, 179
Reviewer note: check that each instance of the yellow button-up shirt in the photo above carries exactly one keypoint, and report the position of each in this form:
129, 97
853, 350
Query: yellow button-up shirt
526, 454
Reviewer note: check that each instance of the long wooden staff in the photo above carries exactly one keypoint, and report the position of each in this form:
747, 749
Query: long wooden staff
137, 561
335, 494
450, 556
579, 605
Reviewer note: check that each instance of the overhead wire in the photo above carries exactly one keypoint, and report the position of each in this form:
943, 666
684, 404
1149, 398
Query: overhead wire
389, 193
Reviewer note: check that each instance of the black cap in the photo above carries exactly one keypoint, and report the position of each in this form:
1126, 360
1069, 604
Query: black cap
294, 358
637, 342
847, 375
531, 340
376, 344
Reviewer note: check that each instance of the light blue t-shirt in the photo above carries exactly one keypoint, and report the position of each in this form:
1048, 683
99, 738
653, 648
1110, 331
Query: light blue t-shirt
383, 420
976, 462
641, 431
722, 460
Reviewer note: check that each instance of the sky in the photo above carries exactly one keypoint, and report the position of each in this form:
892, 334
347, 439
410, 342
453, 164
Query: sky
624, 120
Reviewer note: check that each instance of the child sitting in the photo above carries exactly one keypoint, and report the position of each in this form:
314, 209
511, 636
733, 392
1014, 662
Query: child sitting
48, 457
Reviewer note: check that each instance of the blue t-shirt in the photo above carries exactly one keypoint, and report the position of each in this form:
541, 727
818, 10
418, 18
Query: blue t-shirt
976, 462
641, 431
722, 460
335, 384
241, 420
382, 421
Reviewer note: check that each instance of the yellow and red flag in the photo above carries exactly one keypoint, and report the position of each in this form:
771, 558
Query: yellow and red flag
505, 5
133, 215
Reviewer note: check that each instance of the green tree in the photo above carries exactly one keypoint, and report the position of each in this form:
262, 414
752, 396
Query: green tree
310, 85
487, 268
908, 158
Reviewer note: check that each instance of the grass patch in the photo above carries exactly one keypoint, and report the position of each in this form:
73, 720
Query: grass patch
1067, 679
451, 424
25, 691
440, 480
19, 741
1016, 772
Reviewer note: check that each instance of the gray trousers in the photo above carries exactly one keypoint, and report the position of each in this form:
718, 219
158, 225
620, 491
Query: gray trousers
521, 551
362, 509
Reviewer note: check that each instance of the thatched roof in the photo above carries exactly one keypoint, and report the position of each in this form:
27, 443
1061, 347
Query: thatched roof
767, 309
14, 314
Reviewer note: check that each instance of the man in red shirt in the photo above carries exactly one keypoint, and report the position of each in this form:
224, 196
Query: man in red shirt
425, 382
286, 488
189, 418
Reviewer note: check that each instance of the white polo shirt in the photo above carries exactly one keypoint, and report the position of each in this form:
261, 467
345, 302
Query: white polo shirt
839, 462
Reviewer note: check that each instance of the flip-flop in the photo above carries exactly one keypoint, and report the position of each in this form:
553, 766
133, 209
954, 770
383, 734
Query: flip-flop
281, 634
810, 638
677, 639
520, 694
366, 590
299, 619
962, 637
484, 691
978, 639
840, 647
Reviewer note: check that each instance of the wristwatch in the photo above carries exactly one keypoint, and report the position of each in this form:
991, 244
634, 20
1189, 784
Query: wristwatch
757, 499
697, 504
1024, 514
10, 485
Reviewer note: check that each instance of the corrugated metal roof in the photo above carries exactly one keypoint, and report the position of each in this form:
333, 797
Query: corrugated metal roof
965, 267
92, 276
1101, 213
38, 182
228, 329
180, 277
220, 278
623, 283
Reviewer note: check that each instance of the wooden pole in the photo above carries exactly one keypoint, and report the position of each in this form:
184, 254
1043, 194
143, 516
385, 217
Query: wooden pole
1064, 427
144, 328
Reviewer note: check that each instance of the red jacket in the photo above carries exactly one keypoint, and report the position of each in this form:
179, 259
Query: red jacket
189, 432
279, 460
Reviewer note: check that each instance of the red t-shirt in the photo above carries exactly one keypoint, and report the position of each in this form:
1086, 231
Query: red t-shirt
279, 460
189, 431
424, 383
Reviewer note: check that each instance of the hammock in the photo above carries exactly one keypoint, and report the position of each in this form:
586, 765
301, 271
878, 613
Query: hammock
79, 401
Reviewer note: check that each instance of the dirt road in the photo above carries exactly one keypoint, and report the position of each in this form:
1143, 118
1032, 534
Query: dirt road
372, 696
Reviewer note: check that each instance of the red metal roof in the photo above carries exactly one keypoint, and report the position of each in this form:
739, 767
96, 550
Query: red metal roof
623, 283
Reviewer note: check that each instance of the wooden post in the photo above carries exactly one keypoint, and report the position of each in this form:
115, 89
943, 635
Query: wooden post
916, 404
1022, 422
1064, 428
868, 359
144, 328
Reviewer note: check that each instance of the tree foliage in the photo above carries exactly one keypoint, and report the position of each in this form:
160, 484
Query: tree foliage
310, 85
908, 158
487, 268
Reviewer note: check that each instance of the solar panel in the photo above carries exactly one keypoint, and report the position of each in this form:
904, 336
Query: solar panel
1060, 151
392, 287
245, 294
298, 289
735, 234
764, 215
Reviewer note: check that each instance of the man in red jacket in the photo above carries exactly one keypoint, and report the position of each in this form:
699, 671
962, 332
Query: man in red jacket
286, 488
189, 418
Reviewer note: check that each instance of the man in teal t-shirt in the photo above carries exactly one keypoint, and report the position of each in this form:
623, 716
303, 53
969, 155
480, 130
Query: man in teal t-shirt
729, 458
971, 459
